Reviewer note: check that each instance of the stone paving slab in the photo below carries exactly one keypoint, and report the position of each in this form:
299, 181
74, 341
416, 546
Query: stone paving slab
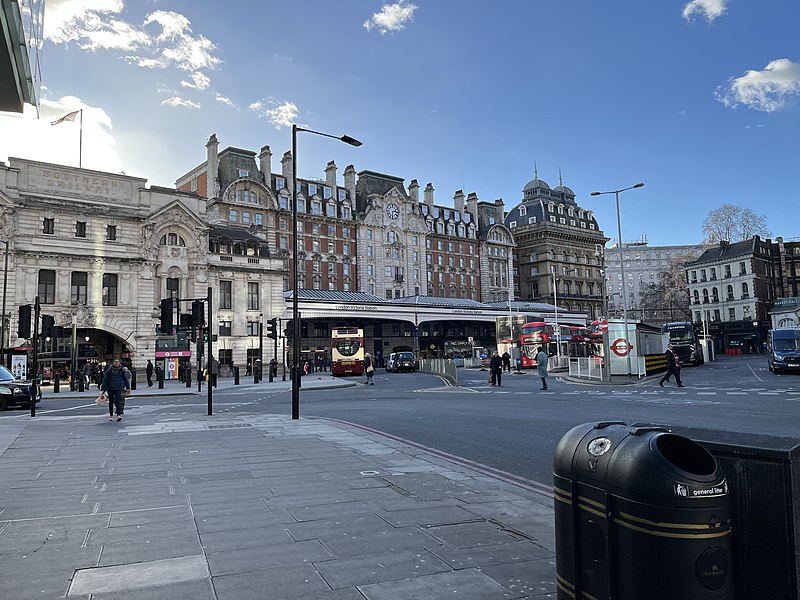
469, 584
339, 514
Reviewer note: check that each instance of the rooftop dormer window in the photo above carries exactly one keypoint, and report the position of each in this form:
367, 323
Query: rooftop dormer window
523, 211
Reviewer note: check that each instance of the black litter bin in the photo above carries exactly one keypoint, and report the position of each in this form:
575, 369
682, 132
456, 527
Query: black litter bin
640, 513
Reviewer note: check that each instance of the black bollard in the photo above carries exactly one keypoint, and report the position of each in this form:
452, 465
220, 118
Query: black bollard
188, 376
271, 374
56, 384
133, 379
255, 375
160, 379
81, 383
214, 379
235, 375
284, 372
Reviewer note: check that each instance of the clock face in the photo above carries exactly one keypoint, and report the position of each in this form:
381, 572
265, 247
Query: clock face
392, 211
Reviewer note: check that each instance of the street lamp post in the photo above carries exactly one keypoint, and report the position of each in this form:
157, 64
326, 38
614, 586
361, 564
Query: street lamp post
295, 372
601, 256
3, 325
622, 266
260, 346
557, 332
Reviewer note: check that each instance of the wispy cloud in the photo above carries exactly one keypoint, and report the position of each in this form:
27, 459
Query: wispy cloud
767, 90
710, 9
280, 115
165, 38
199, 81
391, 18
223, 100
177, 101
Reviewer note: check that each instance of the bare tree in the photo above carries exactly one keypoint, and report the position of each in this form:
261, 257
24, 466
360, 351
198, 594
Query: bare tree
733, 224
668, 299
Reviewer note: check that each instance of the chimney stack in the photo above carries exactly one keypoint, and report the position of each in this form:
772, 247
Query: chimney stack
265, 165
429, 196
350, 182
458, 201
212, 164
413, 190
472, 206
330, 175
286, 169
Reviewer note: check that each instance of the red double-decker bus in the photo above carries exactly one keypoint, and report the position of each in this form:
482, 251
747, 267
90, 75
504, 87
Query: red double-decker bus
534, 335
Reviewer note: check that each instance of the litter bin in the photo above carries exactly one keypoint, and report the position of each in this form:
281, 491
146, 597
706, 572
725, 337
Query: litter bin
639, 513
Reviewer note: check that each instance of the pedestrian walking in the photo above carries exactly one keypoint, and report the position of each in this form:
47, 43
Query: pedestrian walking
115, 381
673, 367
506, 361
149, 372
496, 369
369, 369
541, 367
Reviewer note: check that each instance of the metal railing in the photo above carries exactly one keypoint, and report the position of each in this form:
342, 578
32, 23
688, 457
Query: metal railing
586, 368
440, 366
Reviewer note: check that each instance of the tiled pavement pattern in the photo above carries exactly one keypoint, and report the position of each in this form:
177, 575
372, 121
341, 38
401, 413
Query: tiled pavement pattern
260, 507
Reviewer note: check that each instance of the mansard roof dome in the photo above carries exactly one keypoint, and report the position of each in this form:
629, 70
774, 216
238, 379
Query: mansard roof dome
535, 184
564, 189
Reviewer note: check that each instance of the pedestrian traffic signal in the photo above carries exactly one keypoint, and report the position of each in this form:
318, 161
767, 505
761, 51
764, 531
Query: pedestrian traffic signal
167, 323
24, 321
272, 328
198, 317
48, 323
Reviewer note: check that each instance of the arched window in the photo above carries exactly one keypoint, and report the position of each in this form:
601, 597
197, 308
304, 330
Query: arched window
745, 290
705, 296
390, 237
715, 294
696, 297
172, 239
523, 211
730, 292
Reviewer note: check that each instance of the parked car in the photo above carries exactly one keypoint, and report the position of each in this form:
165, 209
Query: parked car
390, 362
405, 361
14, 392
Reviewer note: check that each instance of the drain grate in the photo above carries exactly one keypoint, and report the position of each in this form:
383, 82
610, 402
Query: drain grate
229, 426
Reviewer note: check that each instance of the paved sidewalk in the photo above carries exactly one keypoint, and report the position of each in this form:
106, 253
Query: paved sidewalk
260, 506
316, 381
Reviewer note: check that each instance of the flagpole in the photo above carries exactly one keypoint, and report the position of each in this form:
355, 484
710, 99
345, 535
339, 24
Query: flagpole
80, 144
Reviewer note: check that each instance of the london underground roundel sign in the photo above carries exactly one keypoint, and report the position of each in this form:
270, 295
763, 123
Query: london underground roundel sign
620, 347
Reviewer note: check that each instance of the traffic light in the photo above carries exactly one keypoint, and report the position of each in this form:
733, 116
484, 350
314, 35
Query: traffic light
198, 318
48, 323
272, 328
167, 323
24, 321
58, 332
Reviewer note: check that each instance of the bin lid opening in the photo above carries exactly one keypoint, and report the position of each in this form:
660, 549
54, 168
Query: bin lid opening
686, 454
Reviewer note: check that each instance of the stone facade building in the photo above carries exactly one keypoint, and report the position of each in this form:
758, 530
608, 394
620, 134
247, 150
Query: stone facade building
643, 265
731, 293
557, 243
370, 235
101, 250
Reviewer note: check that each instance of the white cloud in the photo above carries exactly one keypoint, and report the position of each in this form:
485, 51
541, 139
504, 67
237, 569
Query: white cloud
199, 81
31, 136
710, 9
766, 90
223, 100
176, 101
179, 46
391, 18
281, 115
93, 26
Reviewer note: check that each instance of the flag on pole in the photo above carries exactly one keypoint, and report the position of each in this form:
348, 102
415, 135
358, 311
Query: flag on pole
68, 117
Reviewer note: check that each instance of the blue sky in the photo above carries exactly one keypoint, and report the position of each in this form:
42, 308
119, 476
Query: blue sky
699, 100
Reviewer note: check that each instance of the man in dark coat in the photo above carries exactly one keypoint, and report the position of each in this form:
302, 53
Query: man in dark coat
673, 367
115, 381
506, 361
496, 369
